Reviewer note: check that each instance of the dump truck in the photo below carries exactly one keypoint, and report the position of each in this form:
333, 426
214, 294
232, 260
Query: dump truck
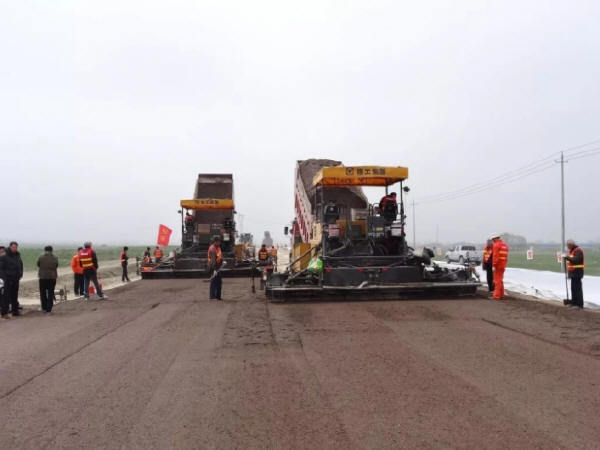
209, 214
343, 247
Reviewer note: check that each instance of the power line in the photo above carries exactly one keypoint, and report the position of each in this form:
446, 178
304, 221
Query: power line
513, 175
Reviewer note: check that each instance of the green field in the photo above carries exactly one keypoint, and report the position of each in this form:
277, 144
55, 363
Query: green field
545, 259
105, 253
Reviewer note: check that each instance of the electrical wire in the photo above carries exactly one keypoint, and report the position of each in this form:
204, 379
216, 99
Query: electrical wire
514, 175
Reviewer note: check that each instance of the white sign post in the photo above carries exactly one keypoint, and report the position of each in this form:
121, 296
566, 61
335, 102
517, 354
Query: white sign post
530, 254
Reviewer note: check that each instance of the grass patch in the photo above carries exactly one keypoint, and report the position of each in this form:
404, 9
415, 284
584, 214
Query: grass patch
30, 255
545, 259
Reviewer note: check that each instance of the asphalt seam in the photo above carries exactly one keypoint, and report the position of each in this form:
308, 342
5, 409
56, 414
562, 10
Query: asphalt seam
69, 355
541, 339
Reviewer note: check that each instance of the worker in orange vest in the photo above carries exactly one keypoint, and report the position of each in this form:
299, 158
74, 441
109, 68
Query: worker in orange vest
263, 255
158, 254
486, 264
215, 261
273, 253
77, 273
89, 262
575, 265
499, 262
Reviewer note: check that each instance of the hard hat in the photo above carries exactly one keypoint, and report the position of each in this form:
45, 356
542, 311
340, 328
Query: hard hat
495, 236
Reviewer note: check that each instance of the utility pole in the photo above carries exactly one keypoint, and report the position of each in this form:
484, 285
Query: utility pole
562, 210
414, 225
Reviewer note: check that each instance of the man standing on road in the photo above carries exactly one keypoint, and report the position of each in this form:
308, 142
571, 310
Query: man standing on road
499, 262
263, 255
89, 263
3, 298
575, 265
486, 264
124, 262
47, 273
215, 261
13, 269
77, 273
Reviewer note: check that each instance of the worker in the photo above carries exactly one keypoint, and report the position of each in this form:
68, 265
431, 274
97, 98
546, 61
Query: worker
486, 264
147, 259
189, 219
77, 273
499, 262
391, 198
388, 207
47, 274
3, 298
273, 254
124, 263
13, 271
263, 255
89, 262
575, 265
215, 261
158, 254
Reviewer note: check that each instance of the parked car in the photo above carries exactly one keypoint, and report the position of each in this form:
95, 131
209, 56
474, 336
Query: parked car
464, 254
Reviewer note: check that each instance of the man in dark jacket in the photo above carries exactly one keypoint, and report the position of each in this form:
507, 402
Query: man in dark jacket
47, 273
215, 262
13, 269
3, 298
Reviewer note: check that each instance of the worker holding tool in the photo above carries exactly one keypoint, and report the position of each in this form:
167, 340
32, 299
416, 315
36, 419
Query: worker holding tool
486, 264
77, 273
215, 261
575, 265
158, 254
499, 262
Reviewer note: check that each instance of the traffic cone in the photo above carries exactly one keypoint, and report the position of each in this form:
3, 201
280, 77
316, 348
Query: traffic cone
92, 289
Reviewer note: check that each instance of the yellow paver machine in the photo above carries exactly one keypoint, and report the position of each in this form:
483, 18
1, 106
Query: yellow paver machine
209, 214
345, 248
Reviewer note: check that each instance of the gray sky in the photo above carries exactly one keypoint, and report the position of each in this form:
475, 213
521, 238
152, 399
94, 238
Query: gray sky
110, 109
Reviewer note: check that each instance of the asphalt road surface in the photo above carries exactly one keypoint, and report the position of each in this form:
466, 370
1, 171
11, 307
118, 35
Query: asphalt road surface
160, 366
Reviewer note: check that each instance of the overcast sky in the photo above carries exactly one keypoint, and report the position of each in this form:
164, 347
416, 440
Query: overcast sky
110, 109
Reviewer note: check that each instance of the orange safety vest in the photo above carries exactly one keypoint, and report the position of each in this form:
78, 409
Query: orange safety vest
158, 253
487, 252
263, 254
274, 252
85, 256
123, 257
75, 267
500, 254
218, 253
570, 266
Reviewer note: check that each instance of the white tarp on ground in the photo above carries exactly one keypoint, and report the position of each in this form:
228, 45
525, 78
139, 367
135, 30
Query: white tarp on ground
546, 285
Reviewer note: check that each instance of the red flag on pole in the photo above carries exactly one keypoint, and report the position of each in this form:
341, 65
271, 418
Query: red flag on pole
164, 234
